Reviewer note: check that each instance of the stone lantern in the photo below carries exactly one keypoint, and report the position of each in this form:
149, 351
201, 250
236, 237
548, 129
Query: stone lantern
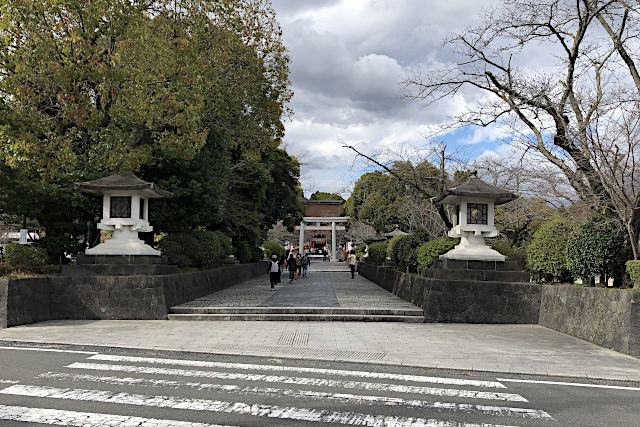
475, 201
125, 212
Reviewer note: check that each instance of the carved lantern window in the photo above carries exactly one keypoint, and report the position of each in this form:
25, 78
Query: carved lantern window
120, 207
477, 213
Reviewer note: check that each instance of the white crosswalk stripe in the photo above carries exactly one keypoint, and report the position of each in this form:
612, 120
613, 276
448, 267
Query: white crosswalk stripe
244, 391
270, 411
280, 368
321, 382
343, 397
86, 419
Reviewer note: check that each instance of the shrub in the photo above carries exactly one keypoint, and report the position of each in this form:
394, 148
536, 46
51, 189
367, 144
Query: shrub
546, 255
182, 249
56, 246
216, 246
360, 250
517, 254
596, 248
633, 268
247, 252
5, 268
377, 253
26, 258
403, 251
273, 248
429, 252
391, 243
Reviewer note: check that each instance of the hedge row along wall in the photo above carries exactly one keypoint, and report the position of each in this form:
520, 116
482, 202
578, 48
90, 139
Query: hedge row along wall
24, 301
606, 317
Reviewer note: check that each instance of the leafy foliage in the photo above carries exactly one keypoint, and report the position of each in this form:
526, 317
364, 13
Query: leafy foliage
633, 269
273, 248
322, 195
360, 250
183, 249
546, 255
514, 253
429, 252
596, 247
377, 253
248, 252
190, 94
216, 247
5, 268
26, 258
383, 201
403, 249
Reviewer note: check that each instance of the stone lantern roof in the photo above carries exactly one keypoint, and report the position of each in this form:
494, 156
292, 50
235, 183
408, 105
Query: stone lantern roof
396, 232
474, 187
123, 182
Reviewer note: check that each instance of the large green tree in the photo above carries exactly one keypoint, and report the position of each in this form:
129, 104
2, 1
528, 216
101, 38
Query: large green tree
385, 200
188, 93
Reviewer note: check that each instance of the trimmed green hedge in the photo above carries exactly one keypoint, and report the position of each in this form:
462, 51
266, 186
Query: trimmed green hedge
596, 248
377, 253
428, 253
517, 254
201, 248
273, 248
216, 247
404, 252
546, 255
26, 258
633, 268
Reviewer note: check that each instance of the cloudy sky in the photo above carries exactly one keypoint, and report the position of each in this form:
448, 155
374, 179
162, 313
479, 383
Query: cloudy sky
348, 58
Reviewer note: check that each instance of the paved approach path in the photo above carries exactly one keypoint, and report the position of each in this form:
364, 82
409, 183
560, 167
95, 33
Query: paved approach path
319, 289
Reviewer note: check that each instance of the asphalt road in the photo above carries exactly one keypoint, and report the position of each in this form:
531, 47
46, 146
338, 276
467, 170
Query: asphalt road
98, 387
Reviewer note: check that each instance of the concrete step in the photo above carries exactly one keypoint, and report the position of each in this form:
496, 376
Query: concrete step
300, 317
300, 310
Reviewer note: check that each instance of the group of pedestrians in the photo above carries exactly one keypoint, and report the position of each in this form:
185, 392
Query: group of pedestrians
297, 266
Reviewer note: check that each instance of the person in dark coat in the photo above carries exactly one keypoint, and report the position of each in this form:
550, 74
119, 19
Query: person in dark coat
292, 266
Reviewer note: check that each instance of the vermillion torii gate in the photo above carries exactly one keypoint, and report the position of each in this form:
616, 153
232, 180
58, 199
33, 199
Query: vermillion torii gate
314, 223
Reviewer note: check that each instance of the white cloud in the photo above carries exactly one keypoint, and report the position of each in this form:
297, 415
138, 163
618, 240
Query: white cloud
348, 60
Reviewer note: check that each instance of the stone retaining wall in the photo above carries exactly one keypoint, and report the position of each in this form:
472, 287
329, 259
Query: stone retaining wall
459, 300
4, 290
24, 301
606, 317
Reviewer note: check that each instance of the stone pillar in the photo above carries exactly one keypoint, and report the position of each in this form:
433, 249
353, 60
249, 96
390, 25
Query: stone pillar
301, 241
333, 241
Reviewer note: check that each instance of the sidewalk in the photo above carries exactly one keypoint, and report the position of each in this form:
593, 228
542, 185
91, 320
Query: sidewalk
525, 349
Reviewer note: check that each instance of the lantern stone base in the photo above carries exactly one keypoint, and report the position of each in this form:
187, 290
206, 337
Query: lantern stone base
119, 265
474, 249
123, 242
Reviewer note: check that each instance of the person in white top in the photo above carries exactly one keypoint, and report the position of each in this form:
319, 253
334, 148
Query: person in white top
274, 272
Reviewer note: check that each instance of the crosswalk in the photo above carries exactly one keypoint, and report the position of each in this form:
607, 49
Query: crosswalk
125, 390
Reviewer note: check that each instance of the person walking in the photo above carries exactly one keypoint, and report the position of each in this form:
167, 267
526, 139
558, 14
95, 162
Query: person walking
299, 265
274, 272
283, 263
305, 264
353, 261
291, 266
